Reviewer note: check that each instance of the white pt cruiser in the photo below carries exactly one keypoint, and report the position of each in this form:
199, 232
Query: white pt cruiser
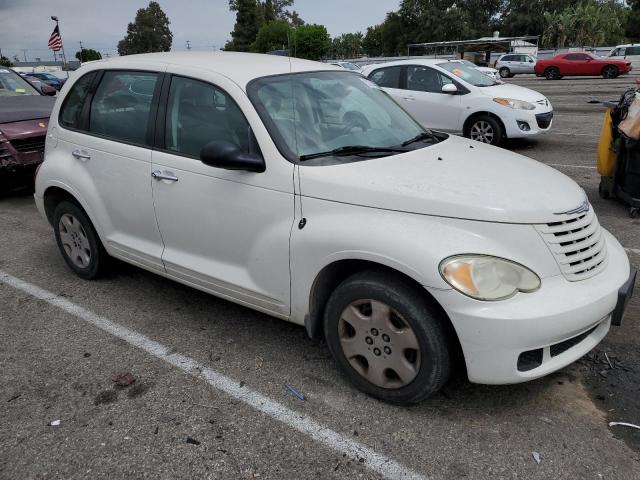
304, 191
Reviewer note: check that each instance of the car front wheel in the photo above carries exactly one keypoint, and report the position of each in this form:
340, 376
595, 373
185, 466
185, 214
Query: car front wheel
505, 72
387, 338
78, 241
485, 129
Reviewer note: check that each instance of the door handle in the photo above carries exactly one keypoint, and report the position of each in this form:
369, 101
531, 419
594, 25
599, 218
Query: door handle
158, 175
80, 155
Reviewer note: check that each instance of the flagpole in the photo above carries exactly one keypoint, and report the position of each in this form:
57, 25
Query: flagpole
64, 55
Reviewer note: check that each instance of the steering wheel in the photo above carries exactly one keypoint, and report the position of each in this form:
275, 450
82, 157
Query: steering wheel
353, 120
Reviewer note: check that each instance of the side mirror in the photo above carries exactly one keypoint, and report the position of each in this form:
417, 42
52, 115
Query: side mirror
48, 90
530, 61
226, 155
450, 88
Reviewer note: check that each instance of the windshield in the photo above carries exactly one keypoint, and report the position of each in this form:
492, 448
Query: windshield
12, 84
350, 66
315, 112
468, 74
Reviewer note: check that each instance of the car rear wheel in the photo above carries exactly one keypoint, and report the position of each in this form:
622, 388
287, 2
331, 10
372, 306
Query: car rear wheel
610, 71
485, 129
78, 241
552, 73
387, 338
505, 72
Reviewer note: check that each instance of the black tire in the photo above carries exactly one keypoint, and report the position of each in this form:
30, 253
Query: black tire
423, 318
552, 73
603, 192
610, 71
475, 125
98, 259
505, 72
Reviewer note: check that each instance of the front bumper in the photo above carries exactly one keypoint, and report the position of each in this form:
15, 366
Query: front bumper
561, 322
536, 121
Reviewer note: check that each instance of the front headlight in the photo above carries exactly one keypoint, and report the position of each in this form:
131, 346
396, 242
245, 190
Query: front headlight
487, 278
517, 104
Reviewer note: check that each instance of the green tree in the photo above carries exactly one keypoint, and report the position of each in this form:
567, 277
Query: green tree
372, 43
246, 27
272, 36
5, 62
633, 22
148, 33
591, 23
88, 54
347, 45
311, 42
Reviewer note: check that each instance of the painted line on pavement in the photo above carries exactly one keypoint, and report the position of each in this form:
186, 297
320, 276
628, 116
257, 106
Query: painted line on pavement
377, 462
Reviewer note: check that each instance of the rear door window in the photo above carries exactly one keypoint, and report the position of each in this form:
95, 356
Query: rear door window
71, 111
509, 58
387, 77
121, 106
632, 51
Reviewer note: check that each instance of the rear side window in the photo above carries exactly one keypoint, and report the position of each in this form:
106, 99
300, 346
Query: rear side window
632, 51
387, 77
199, 113
508, 58
71, 111
121, 105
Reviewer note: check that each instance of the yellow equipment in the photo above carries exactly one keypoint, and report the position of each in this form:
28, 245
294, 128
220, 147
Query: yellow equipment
606, 154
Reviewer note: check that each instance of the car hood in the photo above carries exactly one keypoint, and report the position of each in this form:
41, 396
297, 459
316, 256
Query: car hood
455, 178
25, 107
508, 90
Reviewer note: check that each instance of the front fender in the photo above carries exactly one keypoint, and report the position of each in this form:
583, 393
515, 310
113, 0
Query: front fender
409, 243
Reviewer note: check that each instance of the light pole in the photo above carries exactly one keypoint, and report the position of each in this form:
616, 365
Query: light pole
64, 55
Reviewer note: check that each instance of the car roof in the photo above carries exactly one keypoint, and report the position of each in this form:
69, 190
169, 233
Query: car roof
429, 62
239, 67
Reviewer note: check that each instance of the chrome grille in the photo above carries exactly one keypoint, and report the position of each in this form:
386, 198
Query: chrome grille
577, 243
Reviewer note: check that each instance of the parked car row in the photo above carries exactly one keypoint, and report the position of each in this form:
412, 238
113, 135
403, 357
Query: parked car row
305, 191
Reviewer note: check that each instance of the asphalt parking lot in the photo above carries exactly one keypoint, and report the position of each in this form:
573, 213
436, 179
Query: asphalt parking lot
210, 401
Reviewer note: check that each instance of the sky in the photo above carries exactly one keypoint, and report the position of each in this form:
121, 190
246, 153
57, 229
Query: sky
100, 24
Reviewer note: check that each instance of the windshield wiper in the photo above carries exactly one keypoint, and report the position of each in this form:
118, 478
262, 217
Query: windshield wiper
421, 136
351, 150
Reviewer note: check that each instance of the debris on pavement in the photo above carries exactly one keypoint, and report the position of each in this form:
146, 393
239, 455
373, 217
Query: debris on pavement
192, 441
123, 379
536, 457
608, 361
53, 423
15, 397
624, 424
295, 392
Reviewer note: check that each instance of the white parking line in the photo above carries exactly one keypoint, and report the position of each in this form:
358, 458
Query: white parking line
374, 461
573, 134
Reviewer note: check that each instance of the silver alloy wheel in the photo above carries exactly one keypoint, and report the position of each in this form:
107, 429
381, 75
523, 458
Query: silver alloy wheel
482, 132
379, 344
504, 72
74, 240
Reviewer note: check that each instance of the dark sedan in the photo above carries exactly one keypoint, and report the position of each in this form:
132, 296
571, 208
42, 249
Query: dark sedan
24, 116
50, 79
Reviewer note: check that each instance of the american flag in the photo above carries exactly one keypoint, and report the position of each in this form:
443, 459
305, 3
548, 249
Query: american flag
55, 41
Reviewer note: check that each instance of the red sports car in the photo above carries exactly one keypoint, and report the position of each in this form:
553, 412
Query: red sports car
580, 64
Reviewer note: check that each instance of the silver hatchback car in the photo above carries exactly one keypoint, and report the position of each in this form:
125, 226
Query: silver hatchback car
514, 63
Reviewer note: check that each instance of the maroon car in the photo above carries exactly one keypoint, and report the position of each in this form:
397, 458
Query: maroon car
580, 64
24, 116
